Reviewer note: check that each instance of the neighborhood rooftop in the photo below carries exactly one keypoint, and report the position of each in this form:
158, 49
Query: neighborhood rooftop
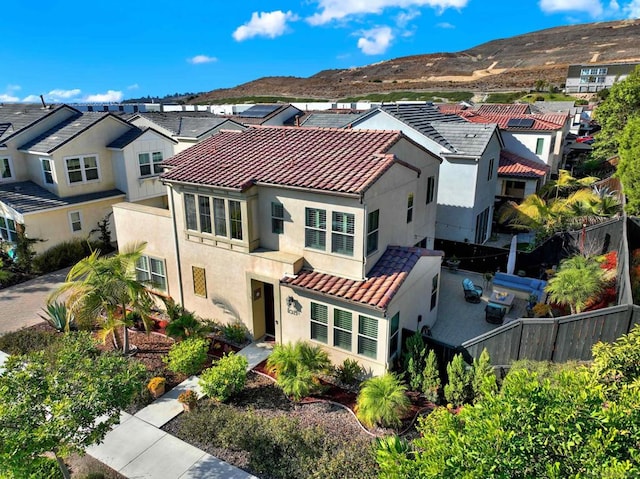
338, 160
544, 122
184, 124
466, 138
17, 116
330, 120
382, 283
517, 166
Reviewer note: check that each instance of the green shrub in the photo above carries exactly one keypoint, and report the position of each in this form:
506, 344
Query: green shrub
431, 378
187, 357
382, 401
234, 332
296, 367
61, 255
58, 316
27, 340
186, 325
457, 391
414, 361
349, 372
225, 378
483, 380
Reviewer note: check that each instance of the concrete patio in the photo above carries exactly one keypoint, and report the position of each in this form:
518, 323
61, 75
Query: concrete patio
458, 321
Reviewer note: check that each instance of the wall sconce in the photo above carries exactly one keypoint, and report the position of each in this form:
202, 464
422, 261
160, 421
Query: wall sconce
290, 301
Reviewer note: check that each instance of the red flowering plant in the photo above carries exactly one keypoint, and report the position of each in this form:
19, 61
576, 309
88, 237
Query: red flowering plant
609, 293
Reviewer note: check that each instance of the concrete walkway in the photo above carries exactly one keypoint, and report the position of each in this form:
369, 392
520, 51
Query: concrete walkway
20, 304
137, 448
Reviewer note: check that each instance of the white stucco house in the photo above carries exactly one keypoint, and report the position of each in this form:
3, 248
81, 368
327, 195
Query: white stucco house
467, 181
300, 234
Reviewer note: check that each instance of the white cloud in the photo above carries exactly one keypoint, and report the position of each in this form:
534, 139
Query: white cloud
592, 7
445, 25
198, 59
8, 98
403, 19
339, 9
632, 10
375, 41
13, 88
135, 86
59, 94
265, 24
111, 96
31, 99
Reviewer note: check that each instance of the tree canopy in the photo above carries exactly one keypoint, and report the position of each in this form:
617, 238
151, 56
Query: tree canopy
629, 165
50, 403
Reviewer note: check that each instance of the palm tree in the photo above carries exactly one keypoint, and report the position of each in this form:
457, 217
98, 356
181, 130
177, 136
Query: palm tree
578, 279
382, 400
565, 183
97, 285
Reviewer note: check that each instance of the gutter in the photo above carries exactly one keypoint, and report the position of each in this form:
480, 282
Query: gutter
177, 248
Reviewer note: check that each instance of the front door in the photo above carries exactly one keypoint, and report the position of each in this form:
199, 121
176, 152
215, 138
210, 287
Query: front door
269, 313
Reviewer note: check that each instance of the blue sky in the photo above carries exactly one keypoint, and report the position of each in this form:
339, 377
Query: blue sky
73, 50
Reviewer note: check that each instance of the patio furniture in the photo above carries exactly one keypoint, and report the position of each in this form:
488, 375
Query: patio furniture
494, 314
524, 286
472, 293
502, 299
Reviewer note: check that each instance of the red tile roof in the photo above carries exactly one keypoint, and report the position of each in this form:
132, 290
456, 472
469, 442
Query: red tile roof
515, 165
339, 160
384, 281
544, 122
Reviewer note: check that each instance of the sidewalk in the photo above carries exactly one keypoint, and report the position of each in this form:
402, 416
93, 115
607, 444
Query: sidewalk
137, 448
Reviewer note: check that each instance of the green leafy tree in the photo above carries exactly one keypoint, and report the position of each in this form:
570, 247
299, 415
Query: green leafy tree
577, 280
52, 403
187, 357
483, 379
107, 286
431, 383
225, 378
382, 401
573, 421
629, 165
297, 366
613, 114
457, 390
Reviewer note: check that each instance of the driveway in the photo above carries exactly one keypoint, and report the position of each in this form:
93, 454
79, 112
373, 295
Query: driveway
21, 304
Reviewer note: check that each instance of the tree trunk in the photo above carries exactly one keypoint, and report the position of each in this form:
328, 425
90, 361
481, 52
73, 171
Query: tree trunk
125, 339
63, 467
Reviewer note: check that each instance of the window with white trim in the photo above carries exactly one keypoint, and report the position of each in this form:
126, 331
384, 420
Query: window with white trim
212, 215
342, 328
319, 322
342, 233
410, 208
47, 171
152, 270
149, 163
373, 224
431, 188
277, 218
394, 328
368, 336
82, 169
8, 229
434, 291
315, 229
6, 168
75, 219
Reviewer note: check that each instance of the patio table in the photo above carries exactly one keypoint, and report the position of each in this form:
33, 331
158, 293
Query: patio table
502, 299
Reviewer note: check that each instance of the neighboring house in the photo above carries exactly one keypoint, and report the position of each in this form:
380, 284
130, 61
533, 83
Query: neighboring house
186, 127
593, 77
266, 114
467, 181
330, 120
519, 177
537, 137
68, 167
299, 233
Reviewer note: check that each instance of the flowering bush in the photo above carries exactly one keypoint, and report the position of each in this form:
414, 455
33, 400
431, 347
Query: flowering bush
188, 397
155, 383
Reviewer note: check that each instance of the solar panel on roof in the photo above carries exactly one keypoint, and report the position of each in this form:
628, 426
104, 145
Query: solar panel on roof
259, 111
520, 123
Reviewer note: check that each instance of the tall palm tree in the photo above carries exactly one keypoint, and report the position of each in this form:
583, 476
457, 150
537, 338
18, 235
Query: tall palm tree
578, 279
565, 183
97, 285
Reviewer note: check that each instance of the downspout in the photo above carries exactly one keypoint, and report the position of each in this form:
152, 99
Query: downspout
175, 241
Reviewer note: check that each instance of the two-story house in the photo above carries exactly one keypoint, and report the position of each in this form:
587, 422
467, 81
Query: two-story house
467, 182
66, 168
299, 233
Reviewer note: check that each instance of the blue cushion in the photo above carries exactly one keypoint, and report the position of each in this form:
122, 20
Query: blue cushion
535, 283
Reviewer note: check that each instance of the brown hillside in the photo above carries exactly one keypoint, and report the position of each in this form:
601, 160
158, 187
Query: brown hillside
507, 64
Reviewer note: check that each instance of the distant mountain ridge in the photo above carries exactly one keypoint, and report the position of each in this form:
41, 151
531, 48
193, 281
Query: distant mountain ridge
513, 63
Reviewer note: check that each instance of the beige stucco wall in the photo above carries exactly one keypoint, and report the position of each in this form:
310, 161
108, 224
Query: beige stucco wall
54, 226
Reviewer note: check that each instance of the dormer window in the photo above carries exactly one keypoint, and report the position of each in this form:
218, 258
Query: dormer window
6, 172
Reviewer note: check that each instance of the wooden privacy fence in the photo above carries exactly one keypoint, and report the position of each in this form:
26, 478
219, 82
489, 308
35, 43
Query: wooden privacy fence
554, 339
